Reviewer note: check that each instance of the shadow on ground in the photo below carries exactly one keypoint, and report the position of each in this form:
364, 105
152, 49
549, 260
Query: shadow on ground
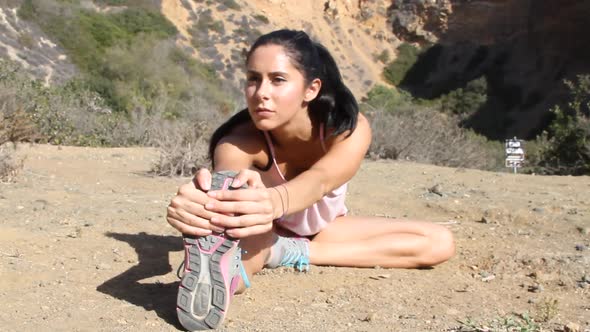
152, 253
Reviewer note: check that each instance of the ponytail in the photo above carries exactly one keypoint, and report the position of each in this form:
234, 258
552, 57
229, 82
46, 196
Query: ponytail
335, 105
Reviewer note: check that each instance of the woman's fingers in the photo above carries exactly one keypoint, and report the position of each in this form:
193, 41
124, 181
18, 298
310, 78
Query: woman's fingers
249, 177
239, 221
202, 179
184, 227
248, 231
240, 207
240, 195
186, 211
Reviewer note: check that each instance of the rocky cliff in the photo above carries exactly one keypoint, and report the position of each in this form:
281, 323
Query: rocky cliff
26, 44
524, 48
354, 31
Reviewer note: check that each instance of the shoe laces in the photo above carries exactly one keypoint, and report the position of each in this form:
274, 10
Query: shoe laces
296, 254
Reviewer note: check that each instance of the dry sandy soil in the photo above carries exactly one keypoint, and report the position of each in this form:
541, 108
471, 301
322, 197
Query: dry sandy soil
84, 246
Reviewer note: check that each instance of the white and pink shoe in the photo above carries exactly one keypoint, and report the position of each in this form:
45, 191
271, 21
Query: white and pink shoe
212, 271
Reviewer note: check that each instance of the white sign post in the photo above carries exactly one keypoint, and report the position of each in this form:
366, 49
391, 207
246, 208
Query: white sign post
514, 153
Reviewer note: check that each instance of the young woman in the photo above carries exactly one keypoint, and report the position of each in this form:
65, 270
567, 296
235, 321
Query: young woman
295, 147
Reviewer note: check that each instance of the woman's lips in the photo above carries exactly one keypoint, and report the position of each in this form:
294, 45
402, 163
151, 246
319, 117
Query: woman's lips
263, 112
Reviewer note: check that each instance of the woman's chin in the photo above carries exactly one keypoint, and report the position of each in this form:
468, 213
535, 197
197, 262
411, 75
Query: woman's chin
263, 124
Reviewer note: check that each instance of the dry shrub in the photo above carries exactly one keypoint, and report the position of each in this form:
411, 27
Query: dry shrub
15, 126
10, 166
182, 142
424, 135
183, 149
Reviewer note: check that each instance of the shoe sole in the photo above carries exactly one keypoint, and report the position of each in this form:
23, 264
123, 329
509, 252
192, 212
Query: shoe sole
204, 291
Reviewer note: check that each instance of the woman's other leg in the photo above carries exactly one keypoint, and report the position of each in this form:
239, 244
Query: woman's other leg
371, 241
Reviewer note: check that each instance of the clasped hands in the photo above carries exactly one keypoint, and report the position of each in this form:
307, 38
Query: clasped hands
199, 211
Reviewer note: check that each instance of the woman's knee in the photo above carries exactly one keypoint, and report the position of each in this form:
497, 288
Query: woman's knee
442, 246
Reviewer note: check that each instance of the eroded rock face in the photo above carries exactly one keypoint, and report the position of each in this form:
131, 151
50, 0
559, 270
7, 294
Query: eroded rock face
524, 49
25, 44
420, 20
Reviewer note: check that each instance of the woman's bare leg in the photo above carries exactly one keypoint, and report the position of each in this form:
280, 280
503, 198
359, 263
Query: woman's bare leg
255, 254
372, 241
362, 242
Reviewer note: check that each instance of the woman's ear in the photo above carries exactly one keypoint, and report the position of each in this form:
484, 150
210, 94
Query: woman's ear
312, 90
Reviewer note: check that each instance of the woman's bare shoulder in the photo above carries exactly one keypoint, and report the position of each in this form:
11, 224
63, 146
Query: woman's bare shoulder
245, 142
362, 130
245, 136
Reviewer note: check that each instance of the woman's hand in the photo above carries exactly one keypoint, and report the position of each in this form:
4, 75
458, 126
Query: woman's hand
187, 212
245, 212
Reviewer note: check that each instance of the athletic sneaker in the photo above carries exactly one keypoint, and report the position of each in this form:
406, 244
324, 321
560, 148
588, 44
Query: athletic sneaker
291, 252
212, 271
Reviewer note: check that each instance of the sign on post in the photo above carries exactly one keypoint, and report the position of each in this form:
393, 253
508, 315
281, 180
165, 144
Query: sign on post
514, 153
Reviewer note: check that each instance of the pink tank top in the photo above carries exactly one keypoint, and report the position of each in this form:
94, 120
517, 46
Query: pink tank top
316, 217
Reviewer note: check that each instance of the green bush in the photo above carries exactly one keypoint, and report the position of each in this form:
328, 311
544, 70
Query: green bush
383, 56
137, 21
262, 18
407, 55
27, 10
565, 148
231, 4
465, 101
381, 97
88, 35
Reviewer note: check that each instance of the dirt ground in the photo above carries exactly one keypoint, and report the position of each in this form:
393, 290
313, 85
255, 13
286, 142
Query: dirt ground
84, 246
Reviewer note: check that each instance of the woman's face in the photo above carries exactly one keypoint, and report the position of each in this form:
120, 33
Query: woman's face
275, 90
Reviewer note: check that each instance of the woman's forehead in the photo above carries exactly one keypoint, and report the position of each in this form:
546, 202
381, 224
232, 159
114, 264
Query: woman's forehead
270, 58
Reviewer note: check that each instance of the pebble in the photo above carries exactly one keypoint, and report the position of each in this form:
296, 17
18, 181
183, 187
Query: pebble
572, 327
436, 189
484, 220
581, 247
370, 317
488, 278
103, 266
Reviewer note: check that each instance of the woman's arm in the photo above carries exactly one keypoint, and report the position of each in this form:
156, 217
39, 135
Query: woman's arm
335, 168
187, 211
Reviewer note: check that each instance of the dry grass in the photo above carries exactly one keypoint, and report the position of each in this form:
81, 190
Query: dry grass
10, 165
15, 126
425, 135
182, 150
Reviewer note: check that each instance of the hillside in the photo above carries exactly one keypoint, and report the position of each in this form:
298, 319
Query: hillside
524, 49
354, 31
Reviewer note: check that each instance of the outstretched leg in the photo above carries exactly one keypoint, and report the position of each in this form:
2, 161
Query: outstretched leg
371, 241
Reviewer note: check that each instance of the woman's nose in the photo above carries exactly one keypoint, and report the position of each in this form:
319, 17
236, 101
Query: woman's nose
263, 90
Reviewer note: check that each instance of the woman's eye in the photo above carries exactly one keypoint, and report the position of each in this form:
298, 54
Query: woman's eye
251, 80
279, 80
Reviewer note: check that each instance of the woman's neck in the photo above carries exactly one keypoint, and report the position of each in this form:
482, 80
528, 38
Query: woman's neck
299, 130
